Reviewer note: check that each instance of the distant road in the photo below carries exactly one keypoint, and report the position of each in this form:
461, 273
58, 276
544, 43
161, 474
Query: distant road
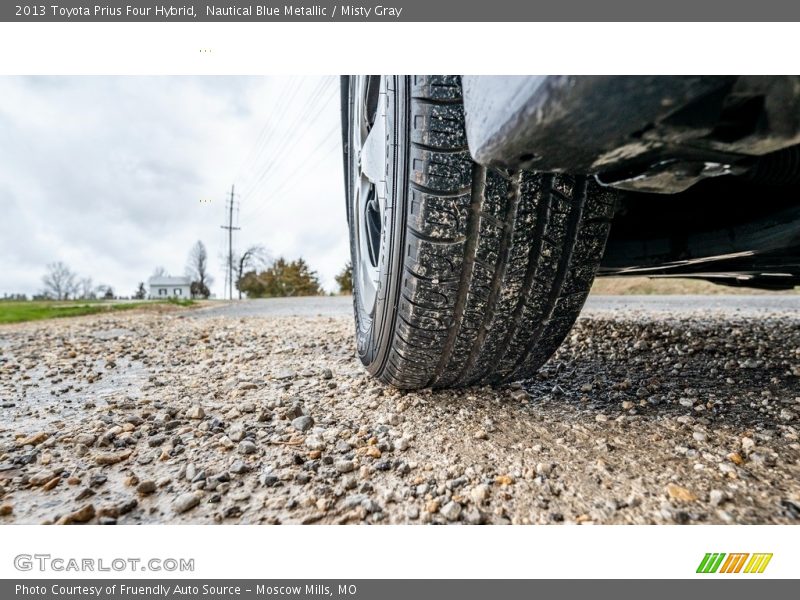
734, 305
310, 306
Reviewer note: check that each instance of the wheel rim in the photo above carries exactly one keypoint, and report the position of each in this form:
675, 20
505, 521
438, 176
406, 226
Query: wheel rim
369, 185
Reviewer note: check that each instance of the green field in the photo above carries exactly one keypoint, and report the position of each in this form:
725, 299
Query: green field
16, 312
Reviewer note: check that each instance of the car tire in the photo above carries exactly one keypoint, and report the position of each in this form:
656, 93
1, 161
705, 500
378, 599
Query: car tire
462, 274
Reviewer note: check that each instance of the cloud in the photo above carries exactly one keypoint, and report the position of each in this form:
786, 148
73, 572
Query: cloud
117, 175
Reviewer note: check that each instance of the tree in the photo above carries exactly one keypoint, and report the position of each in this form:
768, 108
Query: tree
106, 292
87, 289
281, 278
59, 281
197, 270
248, 260
345, 279
141, 293
159, 272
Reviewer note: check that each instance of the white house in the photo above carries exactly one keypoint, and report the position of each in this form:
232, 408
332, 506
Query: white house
170, 287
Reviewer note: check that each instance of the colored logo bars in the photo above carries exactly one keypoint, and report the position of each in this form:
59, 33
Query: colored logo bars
734, 563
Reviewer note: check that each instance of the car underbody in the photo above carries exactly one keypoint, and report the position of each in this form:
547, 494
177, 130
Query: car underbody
707, 168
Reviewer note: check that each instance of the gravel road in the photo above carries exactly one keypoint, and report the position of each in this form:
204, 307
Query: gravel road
655, 410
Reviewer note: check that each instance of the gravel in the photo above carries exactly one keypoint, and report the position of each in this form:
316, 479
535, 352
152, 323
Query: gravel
661, 416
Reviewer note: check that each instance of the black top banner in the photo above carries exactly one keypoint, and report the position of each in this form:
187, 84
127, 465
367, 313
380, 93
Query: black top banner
403, 11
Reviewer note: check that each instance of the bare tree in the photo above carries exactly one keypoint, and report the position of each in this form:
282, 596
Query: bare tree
249, 260
159, 272
86, 289
197, 270
59, 281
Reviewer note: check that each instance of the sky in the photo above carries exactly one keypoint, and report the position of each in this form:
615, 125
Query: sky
116, 176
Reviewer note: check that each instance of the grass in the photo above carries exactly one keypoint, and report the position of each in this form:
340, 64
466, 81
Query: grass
17, 312
647, 286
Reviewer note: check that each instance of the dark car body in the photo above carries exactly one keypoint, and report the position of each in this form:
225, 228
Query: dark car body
708, 167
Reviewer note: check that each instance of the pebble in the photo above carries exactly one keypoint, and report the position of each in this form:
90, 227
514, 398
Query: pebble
186, 502
147, 486
196, 412
82, 515
33, 440
87, 439
679, 493
717, 497
344, 466
303, 423
239, 467
247, 447
6, 508
111, 458
451, 511
479, 493
42, 477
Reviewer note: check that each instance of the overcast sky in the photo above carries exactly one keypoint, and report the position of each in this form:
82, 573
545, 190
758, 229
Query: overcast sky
118, 175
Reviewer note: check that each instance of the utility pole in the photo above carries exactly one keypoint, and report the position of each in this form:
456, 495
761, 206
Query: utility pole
230, 229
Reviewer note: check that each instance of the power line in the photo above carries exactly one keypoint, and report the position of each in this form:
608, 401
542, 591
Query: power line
278, 187
287, 96
297, 130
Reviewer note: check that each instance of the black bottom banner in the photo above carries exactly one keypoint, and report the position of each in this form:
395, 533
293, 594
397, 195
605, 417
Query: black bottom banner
387, 589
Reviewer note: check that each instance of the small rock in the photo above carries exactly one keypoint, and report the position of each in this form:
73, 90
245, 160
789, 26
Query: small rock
479, 493
6, 509
787, 415
41, 477
237, 433
87, 439
679, 493
344, 466
196, 412
111, 458
239, 467
315, 443
185, 502
33, 440
480, 434
247, 447
303, 423
735, 458
717, 497
146, 487
82, 515
451, 511
520, 395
